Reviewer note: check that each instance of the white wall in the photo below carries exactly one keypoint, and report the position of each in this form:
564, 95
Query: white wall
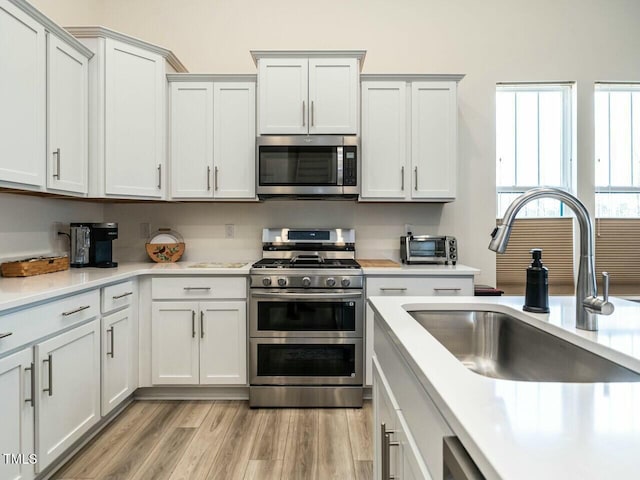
26, 224
490, 41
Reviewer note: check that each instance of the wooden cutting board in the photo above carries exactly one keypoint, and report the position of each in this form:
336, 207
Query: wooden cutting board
377, 263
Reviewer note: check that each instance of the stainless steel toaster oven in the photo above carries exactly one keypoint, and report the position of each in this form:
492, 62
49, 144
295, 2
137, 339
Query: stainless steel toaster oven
416, 249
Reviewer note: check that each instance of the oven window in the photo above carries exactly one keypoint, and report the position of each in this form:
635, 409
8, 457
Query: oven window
298, 166
307, 316
305, 360
428, 248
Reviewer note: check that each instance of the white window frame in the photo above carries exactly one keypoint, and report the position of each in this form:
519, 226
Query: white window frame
617, 87
567, 173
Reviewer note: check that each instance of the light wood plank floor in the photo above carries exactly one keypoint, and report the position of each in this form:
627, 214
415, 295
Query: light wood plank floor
227, 440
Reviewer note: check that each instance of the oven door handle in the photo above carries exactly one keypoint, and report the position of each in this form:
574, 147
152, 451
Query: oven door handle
304, 295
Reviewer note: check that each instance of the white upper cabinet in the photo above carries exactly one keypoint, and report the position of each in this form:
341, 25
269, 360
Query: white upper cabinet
68, 118
22, 98
409, 138
434, 135
308, 92
127, 114
212, 136
191, 139
384, 140
333, 95
135, 116
283, 95
234, 138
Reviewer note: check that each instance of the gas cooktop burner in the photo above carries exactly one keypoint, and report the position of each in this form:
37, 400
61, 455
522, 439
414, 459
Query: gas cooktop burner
302, 263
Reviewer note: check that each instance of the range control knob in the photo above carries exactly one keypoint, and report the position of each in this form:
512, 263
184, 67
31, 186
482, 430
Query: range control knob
306, 282
331, 282
282, 281
345, 282
266, 281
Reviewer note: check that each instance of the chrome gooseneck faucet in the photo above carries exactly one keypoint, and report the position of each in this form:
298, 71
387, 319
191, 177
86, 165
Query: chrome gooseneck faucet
588, 305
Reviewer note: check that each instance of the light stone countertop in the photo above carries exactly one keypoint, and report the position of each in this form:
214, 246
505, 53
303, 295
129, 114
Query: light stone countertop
18, 292
418, 270
531, 430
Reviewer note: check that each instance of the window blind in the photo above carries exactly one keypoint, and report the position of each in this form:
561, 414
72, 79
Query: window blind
555, 237
618, 252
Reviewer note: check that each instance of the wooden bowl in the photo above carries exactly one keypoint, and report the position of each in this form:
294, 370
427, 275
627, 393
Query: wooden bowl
165, 252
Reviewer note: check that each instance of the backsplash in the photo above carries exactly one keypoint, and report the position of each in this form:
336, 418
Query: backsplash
378, 226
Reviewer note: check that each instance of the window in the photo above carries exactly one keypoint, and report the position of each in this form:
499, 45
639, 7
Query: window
617, 149
533, 144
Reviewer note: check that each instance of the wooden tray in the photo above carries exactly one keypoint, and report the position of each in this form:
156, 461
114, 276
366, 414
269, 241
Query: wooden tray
34, 266
377, 263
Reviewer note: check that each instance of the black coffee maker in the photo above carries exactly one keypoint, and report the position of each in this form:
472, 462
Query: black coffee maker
97, 238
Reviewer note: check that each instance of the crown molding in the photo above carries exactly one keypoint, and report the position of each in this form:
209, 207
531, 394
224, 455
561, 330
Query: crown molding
93, 31
258, 54
412, 77
211, 77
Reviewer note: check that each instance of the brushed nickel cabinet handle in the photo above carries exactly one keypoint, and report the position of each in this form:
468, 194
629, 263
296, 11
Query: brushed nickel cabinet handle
312, 114
447, 289
110, 330
402, 177
6, 334
159, 176
303, 114
57, 154
400, 289
116, 297
415, 173
31, 400
201, 324
197, 288
49, 361
193, 324
208, 178
79, 309
215, 180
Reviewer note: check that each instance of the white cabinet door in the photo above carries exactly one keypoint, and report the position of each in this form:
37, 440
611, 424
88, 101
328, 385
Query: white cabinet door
234, 137
433, 140
192, 139
384, 414
384, 140
174, 343
68, 118
223, 348
118, 349
68, 402
16, 414
283, 95
135, 118
22, 97
333, 95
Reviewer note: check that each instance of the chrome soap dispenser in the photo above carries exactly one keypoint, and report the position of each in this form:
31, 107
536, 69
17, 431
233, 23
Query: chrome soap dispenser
537, 292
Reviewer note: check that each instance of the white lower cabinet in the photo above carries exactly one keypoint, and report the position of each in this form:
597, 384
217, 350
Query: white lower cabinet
118, 362
16, 415
397, 455
68, 400
399, 285
198, 343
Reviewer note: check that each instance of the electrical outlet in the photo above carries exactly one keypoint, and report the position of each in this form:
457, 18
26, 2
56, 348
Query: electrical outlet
229, 230
409, 229
144, 230
59, 243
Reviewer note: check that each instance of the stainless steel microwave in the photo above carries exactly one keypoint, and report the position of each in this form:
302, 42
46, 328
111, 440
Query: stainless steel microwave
307, 166
428, 249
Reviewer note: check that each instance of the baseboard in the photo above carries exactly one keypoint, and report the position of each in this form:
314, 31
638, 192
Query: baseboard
192, 393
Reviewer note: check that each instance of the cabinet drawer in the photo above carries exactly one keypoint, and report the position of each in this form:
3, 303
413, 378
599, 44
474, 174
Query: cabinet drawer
28, 325
117, 296
423, 286
181, 288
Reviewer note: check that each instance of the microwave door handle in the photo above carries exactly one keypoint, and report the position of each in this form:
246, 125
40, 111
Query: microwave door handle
340, 165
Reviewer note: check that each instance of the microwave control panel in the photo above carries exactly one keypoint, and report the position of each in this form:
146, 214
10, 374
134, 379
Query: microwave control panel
350, 167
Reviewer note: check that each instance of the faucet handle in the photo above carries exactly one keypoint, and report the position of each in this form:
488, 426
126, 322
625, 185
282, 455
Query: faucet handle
605, 286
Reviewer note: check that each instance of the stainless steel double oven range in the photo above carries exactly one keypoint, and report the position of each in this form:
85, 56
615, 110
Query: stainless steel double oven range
306, 320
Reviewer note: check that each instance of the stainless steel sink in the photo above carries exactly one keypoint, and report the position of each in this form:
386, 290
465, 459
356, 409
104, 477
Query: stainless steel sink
500, 346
